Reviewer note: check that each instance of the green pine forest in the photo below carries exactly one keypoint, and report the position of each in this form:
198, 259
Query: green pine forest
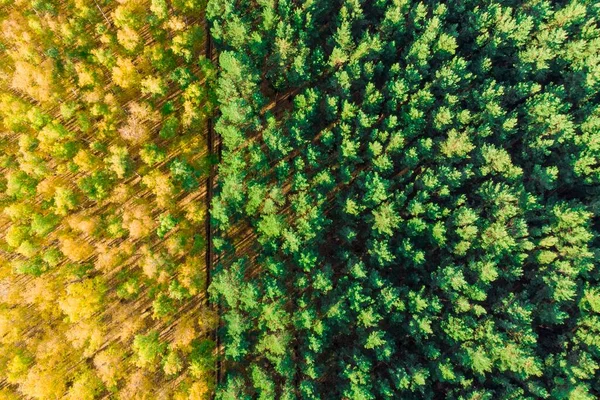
286, 199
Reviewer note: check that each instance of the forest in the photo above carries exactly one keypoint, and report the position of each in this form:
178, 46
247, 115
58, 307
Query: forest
320, 199
103, 110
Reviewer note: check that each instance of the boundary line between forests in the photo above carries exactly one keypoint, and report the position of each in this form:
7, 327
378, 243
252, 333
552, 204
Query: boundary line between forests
211, 258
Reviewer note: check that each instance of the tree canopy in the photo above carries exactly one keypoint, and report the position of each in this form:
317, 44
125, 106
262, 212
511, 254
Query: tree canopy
328, 199
416, 189
102, 198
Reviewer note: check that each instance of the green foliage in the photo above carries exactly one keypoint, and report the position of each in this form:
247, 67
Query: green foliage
172, 363
149, 349
42, 225
184, 173
162, 306
166, 223
169, 128
129, 289
202, 358
96, 186
20, 185
151, 154
421, 184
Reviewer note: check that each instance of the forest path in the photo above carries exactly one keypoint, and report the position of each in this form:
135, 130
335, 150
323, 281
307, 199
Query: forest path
214, 151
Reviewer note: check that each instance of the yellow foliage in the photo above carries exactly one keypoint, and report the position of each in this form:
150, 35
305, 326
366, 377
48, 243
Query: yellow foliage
129, 327
138, 221
11, 325
134, 131
15, 235
76, 249
184, 333
125, 74
64, 200
17, 368
172, 364
5, 272
199, 391
175, 24
82, 299
110, 365
82, 5
128, 38
177, 244
108, 257
193, 390
44, 383
88, 336
10, 293
85, 387
18, 212
161, 186
190, 272
47, 187
85, 75
153, 85
35, 81
195, 212
28, 248
58, 126
85, 160
193, 96
138, 387
51, 348
43, 293
33, 165
151, 262
7, 394
120, 194
85, 224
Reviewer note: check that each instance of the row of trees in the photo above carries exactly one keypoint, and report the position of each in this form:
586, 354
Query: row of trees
103, 109
420, 181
